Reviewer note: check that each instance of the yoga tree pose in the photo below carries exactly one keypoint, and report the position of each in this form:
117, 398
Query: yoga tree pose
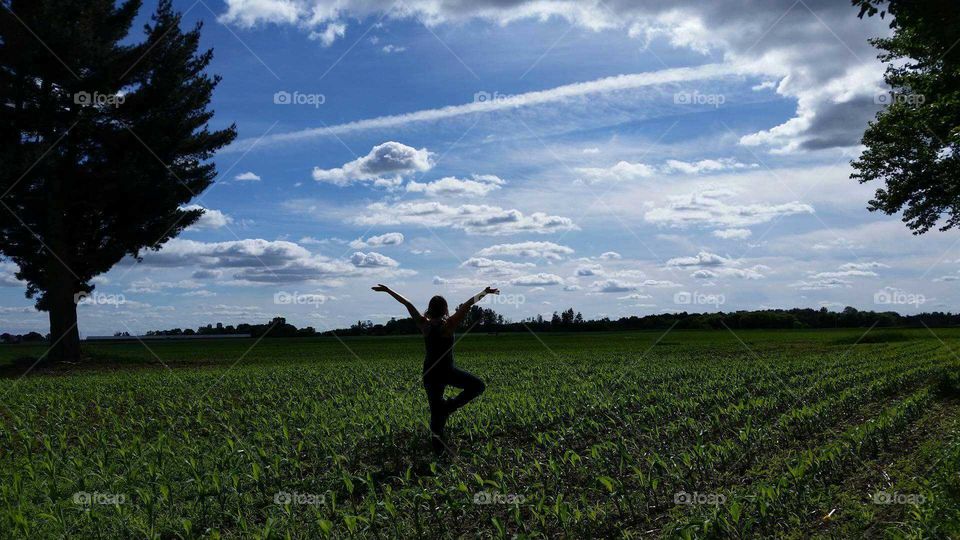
439, 371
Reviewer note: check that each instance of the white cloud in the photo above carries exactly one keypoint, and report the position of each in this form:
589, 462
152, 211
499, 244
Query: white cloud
863, 266
623, 170
248, 13
478, 186
732, 234
330, 34
613, 286
385, 165
264, 261
388, 239
711, 266
372, 260
391, 48
497, 267
820, 284
211, 219
474, 219
704, 166
545, 250
537, 280
589, 270
609, 255
7, 277
248, 176
635, 296
710, 208
703, 258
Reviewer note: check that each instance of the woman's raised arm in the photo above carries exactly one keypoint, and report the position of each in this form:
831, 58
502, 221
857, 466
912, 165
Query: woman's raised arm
464, 308
416, 315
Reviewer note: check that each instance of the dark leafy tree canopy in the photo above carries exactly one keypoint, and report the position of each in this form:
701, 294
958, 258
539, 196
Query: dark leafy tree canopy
101, 143
912, 145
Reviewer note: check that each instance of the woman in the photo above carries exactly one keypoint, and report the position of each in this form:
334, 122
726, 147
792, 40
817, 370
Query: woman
437, 326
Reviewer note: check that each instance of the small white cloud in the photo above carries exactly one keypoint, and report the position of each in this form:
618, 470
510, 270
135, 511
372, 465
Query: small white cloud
388, 239
610, 255
391, 48
248, 176
211, 219
329, 34
623, 170
537, 280
732, 234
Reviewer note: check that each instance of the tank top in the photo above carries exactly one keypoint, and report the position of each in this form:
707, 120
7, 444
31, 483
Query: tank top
439, 357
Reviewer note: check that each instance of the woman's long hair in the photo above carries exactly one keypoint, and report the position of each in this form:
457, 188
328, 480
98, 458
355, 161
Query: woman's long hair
437, 308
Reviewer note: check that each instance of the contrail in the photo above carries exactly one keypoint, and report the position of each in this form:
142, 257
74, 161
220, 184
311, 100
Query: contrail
485, 102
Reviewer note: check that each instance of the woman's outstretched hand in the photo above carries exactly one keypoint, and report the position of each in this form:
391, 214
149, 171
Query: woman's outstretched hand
491, 290
381, 288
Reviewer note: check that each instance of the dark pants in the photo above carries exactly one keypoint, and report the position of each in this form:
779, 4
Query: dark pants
440, 408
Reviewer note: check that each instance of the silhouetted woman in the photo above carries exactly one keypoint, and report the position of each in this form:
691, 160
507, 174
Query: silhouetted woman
437, 326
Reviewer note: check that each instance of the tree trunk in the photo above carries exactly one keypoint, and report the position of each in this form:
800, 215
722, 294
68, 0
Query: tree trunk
64, 334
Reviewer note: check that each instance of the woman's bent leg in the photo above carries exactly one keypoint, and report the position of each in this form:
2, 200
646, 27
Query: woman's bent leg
471, 384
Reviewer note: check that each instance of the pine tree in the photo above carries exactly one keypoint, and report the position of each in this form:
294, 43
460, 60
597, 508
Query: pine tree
102, 143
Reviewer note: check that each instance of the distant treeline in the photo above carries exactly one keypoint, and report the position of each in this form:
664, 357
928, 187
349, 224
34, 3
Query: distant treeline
486, 320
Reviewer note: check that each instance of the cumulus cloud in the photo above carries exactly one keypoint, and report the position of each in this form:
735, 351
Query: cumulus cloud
820, 284
478, 186
609, 255
372, 260
732, 234
391, 48
623, 170
816, 51
211, 219
497, 267
329, 35
385, 165
474, 219
705, 166
388, 239
545, 250
537, 280
248, 176
264, 261
710, 266
712, 208
7, 275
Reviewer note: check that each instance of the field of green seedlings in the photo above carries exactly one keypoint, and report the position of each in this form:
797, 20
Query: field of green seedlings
687, 434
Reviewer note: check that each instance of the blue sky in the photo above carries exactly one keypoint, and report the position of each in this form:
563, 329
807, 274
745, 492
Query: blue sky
617, 158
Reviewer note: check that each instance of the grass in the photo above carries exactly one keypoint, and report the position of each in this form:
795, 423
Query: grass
688, 434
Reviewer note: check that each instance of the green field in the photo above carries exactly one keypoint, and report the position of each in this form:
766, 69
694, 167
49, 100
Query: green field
689, 434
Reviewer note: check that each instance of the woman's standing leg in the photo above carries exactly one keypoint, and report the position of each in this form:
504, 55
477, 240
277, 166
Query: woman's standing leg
471, 384
438, 412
